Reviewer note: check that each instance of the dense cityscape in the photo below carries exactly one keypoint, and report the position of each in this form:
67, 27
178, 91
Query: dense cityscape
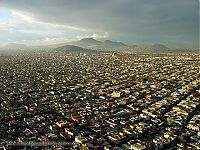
105, 101
99, 75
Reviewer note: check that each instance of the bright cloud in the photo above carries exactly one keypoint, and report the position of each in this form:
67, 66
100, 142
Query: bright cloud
29, 18
21, 26
95, 36
23, 16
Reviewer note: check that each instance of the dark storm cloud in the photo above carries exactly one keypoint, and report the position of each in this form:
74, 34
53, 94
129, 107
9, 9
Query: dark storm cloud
126, 20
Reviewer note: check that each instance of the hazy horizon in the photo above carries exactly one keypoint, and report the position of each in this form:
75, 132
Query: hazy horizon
174, 23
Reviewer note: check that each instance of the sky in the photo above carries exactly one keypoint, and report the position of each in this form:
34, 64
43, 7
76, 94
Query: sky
174, 23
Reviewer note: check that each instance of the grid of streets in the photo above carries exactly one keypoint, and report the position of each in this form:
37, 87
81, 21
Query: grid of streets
106, 101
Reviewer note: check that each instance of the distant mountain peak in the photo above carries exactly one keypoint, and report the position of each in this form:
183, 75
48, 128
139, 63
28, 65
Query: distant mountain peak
107, 41
115, 44
88, 39
95, 44
159, 46
73, 49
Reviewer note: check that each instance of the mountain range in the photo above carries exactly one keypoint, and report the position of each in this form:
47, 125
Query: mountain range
74, 50
95, 44
90, 45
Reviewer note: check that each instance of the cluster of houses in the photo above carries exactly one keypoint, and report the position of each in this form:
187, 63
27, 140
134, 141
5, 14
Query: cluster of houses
102, 101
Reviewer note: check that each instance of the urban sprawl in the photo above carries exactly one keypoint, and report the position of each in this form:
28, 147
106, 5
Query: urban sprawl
108, 101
